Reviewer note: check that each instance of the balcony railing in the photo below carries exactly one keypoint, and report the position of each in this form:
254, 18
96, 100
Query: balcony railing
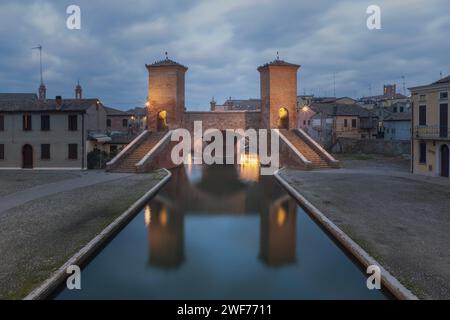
431, 132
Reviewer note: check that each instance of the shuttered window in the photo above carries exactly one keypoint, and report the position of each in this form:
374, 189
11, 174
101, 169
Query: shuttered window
73, 151
73, 122
45, 151
422, 115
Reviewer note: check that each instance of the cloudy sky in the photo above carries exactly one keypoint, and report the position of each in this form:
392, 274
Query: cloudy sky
222, 43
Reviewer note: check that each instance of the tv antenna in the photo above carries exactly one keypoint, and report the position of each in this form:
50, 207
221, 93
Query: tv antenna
39, 47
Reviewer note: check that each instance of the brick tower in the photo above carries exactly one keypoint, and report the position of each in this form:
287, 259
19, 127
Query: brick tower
279, 94
165, 107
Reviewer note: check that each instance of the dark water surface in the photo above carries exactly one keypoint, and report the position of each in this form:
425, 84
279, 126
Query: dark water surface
220, 232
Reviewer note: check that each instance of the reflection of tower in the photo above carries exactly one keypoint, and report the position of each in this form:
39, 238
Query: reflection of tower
278, 81
165, 94
278, 234
165, 235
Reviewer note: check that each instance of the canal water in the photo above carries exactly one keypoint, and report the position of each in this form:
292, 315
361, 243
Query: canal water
222, 232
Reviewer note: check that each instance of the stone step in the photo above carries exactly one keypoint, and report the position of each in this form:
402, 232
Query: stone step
310, 154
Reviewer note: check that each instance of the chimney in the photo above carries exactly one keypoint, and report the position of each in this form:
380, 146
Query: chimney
58, 101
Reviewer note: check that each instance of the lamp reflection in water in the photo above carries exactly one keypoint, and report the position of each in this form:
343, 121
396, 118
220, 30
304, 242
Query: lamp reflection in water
249, 168
165, 235
278, 233
147, 215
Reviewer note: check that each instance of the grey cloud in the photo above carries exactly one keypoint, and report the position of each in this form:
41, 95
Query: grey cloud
222, 43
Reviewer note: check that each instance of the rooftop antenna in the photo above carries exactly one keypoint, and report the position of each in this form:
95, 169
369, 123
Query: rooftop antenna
39, 47
334, 84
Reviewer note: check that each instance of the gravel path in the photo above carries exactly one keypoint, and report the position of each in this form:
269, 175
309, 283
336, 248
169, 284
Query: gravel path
37, 237
400, 219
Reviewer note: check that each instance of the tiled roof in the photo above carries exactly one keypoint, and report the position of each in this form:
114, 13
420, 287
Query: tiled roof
278, 62
18, 96
443, 80
138, 111
116, 112
166, 63
35, 105
334, 109
399, 116
243, 104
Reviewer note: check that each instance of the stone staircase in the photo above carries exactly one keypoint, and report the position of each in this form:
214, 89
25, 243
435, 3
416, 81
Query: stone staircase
318, 161
129, 161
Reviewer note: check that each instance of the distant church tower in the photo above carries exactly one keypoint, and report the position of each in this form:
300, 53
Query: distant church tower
78, 91
165, 108
279, 94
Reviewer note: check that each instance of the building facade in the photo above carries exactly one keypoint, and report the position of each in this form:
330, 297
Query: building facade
47, 133
397, 126
431, 131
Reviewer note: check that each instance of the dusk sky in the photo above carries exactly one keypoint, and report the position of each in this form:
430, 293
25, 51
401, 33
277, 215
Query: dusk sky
222, 43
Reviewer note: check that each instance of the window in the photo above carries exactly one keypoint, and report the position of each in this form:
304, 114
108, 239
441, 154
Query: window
423, 97
2, 122
125, 123
423, 153
304, 122
422, 115
26, 122
2, 152
309, 122
353, 123
402, 109
395, 109
73, 151
45, 122
45, 152
108, 123
73, 122
443, 95
345, 123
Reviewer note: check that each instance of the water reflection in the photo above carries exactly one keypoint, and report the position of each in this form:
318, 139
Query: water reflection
212, 233
165, 236
221, 190
278, 233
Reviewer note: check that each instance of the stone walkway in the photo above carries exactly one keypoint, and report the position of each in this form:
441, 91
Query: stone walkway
402, 220
89, 178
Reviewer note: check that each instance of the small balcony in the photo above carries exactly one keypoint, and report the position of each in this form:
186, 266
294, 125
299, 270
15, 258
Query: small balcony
431, 132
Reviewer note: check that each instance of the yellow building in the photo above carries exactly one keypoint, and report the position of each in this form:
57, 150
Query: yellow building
431, 132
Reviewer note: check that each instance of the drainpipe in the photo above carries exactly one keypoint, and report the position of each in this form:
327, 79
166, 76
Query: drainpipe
412, 136
83, 141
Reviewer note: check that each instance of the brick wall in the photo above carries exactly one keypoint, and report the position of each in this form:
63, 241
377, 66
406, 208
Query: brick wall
223, 120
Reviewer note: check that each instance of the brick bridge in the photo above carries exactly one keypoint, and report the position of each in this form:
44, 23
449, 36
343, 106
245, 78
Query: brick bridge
166, 112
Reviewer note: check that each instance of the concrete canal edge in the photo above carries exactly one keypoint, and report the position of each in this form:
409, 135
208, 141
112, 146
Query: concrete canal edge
388, 281
84, 254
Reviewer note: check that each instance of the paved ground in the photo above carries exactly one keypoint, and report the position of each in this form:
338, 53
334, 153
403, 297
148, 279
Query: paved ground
400, 219
15, 180
38, 235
